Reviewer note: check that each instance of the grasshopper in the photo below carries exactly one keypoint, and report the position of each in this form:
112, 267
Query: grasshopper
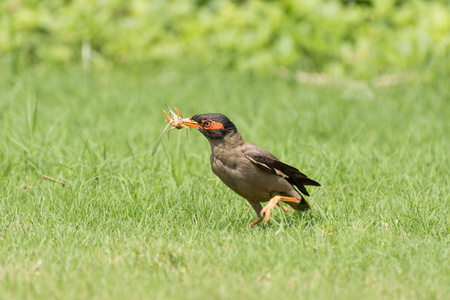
174, 121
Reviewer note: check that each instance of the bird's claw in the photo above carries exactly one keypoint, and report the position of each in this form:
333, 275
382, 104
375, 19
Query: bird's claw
285, 209
256, 221
267, 210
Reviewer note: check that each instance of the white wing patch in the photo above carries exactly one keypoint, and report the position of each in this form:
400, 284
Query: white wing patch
259, 163
278, 172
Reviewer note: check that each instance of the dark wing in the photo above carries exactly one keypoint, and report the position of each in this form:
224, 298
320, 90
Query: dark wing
291, 174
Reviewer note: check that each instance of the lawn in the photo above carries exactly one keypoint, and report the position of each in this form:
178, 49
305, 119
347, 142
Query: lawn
129, 225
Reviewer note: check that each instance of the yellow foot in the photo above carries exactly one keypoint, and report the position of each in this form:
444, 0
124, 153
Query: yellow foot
267, 210
285, 209
256, 221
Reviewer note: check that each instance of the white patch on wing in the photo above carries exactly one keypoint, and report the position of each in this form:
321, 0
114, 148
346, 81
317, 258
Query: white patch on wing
259, 163
278, 172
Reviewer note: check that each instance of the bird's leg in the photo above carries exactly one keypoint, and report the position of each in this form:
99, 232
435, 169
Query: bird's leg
257, 207
267, 210
256, 221
285, 209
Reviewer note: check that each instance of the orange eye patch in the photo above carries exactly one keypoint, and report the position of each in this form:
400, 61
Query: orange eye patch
211, 125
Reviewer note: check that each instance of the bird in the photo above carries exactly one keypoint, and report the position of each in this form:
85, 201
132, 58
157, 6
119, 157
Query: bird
252, 172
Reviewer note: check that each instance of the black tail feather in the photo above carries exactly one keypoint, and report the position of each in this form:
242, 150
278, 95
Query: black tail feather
297, 178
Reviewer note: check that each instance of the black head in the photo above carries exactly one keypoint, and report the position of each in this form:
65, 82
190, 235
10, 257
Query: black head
213, 126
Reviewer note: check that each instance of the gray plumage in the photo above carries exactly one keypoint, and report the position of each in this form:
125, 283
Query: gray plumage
250, 171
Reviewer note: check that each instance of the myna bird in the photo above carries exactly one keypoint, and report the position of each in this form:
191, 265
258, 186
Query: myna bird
250, 171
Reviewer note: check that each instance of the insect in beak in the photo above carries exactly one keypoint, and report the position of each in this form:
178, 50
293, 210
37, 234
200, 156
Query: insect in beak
174, 121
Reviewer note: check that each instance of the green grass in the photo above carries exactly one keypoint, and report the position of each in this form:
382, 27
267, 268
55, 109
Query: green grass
130, 226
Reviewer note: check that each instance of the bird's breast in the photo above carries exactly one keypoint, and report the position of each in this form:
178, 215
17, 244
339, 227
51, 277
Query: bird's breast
226, 170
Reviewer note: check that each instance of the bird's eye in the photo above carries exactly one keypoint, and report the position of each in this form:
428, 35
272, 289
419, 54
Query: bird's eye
207, 124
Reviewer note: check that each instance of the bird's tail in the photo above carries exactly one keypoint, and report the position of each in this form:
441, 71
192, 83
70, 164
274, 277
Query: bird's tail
302, 206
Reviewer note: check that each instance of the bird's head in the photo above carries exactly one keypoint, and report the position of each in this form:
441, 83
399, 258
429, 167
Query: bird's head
213, 126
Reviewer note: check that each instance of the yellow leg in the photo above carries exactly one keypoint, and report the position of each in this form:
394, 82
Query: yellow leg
285, 209
256, 221
267, 210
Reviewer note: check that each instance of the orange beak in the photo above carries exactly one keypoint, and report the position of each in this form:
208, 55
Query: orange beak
190, 123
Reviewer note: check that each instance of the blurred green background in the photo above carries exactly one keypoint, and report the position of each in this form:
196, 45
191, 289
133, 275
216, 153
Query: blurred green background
346, 38
353, 93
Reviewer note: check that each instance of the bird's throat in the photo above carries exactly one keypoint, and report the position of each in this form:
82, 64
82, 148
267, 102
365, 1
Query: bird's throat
231, 141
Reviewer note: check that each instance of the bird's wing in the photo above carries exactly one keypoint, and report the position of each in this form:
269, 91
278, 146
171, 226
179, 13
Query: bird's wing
273, 165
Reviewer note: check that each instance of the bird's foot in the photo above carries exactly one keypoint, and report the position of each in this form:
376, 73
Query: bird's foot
256, 221
267, 210
285, 209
